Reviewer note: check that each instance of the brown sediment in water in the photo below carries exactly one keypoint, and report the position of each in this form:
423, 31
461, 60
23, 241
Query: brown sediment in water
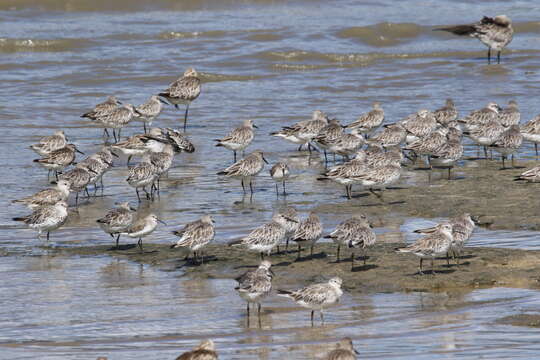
385, 270
529, 320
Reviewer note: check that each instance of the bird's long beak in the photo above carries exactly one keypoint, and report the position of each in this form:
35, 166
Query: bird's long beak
118, 102
136, 112
291, 220
271, 272
132, 208
356, 352
114, 154
161, 221
255, 126
163, 101
79, 151
264, 160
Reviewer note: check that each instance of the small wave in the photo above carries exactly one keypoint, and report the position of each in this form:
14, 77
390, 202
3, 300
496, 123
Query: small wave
168, 35
27, 45
382, 34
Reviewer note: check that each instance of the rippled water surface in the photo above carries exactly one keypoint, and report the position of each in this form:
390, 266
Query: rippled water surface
274, 62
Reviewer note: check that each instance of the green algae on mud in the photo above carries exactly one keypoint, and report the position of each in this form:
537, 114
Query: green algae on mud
385, 270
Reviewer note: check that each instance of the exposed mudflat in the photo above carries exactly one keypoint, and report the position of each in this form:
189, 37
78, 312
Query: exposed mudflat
480, 187
385, 270
529, 320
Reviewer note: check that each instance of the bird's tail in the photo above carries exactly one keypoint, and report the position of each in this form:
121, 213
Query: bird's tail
284, 293
460, 30
235, 242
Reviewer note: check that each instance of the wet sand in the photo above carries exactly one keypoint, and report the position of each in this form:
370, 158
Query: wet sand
385, 270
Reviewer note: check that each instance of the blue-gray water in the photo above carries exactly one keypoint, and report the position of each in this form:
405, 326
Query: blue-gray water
274, 62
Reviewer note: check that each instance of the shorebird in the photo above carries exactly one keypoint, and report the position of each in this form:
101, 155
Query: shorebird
304, 131
255, 285
96, 165
180, 142
46, 218
449, 153
103, 109
239, 138
511, 115
292, 222
363, 237
419, 125
428, 144
432, 245
57, 160
48, 144
183, 91
379, 178
135, 145
462, 229
161, 156
280, 173
344, 351
150, 110
447, 113
369, 122
308, 233
495, 33
345, 174
531, 132
195, 235
246, 168
205, 351
481, 117
531, 175
392, 135
508, 143
79, 179
347, 144
117, 220
264, 238
142, 227
355, 232
316, 296
141, 176
47, 196
118, 118
327, 135
486, 134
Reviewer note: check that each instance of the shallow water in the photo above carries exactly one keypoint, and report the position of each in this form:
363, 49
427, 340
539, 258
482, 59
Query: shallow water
274, 62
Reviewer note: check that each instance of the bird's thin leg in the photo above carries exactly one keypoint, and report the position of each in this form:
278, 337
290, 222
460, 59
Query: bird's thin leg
234, 152
144, 126
421, 260
140, 244
352, 261
322, 316
449, 173
284, 192
129, 158
251, 186
513, 166
312, 312
48, 233
277, 190
138, 196
262, 256
185, 117
114, 134
365, 256
119, 131
77, 199
503, 158
311, 252
49, 173
299, 251
243, 187
338, 248
536, 148
489, 55
247, 309
447, 258
485, 152
432, 267
300, 147
117, 240
258, 309
86, 191
498, 57
287, 244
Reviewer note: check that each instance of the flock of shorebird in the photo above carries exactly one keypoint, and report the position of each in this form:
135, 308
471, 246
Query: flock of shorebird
372, 153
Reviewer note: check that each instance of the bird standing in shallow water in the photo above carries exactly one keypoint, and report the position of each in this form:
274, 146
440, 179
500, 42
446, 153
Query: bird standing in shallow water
239, 138
255, 285
495, 33
344, 351
280, 172
246, 168
316, 296
195, 235
184, 91
143, 227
